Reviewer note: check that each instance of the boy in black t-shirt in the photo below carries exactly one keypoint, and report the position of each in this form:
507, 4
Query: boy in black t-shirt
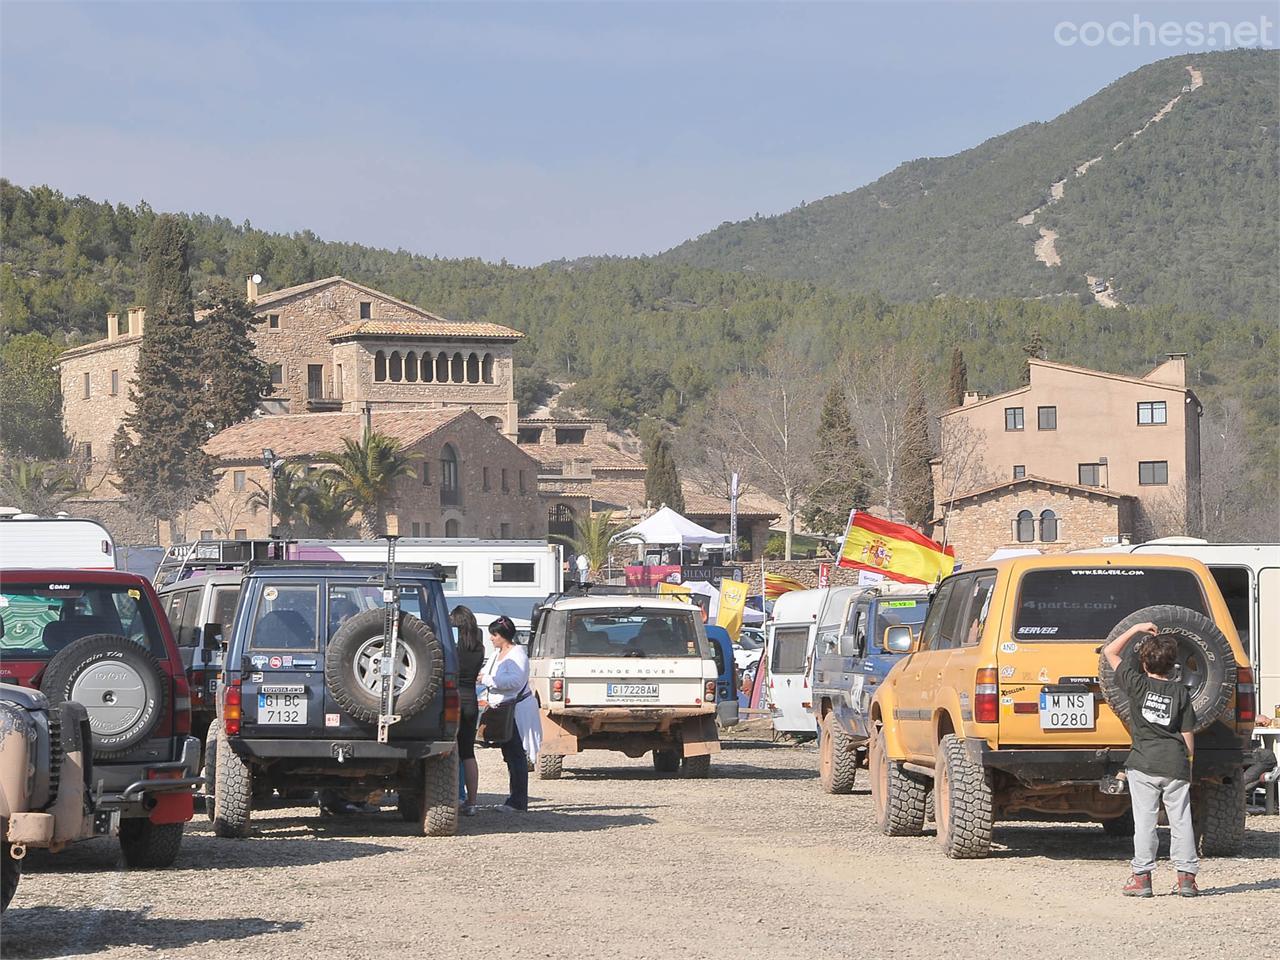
1161, 721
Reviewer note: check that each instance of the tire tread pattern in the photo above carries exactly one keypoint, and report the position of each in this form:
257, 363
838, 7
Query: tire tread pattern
150, 846
844, 758
233, 792
550, 766
339, 665
905, 801
1219, 820
971, 815
440, 795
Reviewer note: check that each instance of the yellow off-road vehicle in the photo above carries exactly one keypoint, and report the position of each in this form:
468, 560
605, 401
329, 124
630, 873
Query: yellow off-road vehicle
1004, 706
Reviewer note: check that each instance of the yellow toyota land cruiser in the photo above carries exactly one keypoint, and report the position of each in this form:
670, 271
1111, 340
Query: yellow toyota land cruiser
1005, 707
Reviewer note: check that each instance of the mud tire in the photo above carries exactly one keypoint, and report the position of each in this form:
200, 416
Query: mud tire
440, 795
837, 758
233, 792
341, 675
149, 846
1219, 813
898, 798
962, 802
666, 761
550, 766
696, 768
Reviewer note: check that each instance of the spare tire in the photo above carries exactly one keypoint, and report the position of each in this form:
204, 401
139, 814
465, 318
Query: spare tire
353, 661
117, 681
1205, 665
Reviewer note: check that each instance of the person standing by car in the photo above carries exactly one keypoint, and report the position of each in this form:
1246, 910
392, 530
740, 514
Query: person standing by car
506, 676
470, 660
1159, 765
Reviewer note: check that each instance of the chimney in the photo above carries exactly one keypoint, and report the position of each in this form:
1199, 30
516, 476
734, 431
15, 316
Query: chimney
251, 287
137, 320
971, 397
1172, 370
113, 325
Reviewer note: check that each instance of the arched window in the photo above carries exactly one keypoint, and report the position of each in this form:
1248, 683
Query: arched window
473, 369
1048, 526
428, 368
486, 368
379, 367
495, 422
1026, 527
560, 521
411, 367
397, 367
452, 529
458, 374
449, 486
442, 367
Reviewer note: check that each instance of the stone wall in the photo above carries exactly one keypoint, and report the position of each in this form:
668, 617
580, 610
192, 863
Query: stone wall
95, 419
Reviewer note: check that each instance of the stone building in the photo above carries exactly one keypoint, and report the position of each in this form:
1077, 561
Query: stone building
95, 385
469, 480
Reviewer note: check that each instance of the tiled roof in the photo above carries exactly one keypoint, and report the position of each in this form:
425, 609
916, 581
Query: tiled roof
622, 494
560, 421
437, 329
308, 434
1033, 481
600, 453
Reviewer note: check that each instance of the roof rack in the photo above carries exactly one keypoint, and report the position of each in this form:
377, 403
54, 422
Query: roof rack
341, 565
183, 559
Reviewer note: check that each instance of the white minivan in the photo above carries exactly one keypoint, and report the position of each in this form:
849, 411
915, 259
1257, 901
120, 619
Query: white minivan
789, 638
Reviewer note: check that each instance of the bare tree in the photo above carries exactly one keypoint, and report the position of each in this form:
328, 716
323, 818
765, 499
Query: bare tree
709, 459
226, 508
960, 466
1228, 510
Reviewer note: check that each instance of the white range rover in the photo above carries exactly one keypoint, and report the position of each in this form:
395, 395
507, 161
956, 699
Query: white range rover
626, 672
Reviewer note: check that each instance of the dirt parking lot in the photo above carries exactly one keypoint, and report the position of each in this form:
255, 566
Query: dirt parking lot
616, 862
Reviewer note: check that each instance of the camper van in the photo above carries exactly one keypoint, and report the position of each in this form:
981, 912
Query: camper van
789, 638
65, 543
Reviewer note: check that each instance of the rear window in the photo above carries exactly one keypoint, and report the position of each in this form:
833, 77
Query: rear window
347, 600
790, 648
286, 617
37, 622
633, 633
1085, 604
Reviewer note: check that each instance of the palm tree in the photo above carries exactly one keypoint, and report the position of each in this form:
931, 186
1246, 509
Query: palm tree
328, 512
365, 473
593, 536
36, 486
290, 498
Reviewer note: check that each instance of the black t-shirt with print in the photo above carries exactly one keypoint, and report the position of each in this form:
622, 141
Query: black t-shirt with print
1159, 713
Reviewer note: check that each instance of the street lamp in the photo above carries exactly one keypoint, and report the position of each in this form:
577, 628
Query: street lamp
272, 464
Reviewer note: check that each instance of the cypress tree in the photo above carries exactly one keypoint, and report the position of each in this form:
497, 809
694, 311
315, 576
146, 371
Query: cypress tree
913, 466
234, 376
1034, 349
160, 461
661, 479
959, 384
840, 467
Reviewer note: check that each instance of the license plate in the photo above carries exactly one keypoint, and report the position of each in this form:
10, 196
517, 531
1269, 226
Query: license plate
632, 691
282, 709
1066, 711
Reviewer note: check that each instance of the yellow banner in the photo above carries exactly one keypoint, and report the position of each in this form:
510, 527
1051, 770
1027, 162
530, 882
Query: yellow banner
733, 600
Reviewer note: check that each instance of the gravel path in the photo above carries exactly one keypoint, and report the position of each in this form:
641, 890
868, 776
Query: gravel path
616, 862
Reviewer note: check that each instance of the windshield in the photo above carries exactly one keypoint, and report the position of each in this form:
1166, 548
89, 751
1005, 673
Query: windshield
1085, 604
637, 632
893, 613
37, 622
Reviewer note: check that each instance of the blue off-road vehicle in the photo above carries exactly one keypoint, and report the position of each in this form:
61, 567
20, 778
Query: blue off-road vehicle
307, 700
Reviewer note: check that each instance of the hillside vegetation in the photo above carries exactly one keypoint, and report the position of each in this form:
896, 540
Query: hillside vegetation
1183, 214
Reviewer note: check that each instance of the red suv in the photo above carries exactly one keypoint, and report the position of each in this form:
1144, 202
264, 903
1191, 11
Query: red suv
99, 638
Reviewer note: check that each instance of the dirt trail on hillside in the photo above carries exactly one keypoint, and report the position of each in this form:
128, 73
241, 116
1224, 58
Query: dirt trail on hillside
1105, 298
1046, 252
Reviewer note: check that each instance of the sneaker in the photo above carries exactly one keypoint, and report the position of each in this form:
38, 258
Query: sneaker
508, 808
469, 810
1139, 885
1186, 885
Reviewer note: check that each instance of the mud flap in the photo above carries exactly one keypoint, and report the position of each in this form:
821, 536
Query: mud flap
557, 739
700, 736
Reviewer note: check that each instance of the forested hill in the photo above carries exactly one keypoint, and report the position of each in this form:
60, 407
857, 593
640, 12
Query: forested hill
1182, 214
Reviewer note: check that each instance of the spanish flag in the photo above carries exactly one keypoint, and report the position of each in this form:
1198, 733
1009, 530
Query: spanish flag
775, 585
894, 550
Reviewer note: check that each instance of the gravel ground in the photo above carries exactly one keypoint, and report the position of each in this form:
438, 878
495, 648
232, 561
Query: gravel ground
615, 861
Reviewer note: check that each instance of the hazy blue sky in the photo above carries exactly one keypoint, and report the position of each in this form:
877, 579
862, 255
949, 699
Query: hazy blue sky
528, 131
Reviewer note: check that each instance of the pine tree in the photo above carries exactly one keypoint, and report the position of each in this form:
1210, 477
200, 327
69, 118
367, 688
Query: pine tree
235, 378
161, 462
913, 466
959, 384
661, 479
840, 467
1034, 350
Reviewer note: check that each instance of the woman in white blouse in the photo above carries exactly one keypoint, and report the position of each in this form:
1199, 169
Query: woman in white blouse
506, 676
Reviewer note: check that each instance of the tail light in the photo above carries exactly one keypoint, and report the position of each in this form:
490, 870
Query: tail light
197, 688
231, 707
1246, 696
557, 688
452, 704
986, 696
709, 691
181, 705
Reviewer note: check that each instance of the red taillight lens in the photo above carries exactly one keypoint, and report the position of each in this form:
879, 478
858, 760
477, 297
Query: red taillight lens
709, 691
452, 704
197, 687
231, 708
986, 696
181, 705
1246, 696
557, 689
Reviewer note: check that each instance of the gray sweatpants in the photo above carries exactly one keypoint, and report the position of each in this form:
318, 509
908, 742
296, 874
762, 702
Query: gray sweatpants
1146, 793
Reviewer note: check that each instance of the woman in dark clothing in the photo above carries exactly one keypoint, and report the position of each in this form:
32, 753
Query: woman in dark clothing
470, 660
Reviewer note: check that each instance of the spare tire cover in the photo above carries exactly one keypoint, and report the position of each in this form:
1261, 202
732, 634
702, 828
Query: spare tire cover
117, 681
352, 660
1205, 661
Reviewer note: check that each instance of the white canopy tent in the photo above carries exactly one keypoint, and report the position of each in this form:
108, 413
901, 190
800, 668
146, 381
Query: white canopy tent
668, 528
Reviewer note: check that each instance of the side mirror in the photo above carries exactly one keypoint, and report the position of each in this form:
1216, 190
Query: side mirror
898, 639
211, 637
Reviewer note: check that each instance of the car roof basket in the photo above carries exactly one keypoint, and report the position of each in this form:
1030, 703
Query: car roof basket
203, 556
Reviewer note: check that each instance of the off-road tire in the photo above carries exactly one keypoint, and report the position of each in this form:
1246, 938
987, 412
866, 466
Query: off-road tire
837, 758
550, 766
898, 798
149, 846
666, 761
233, 792
440, 795
340, 669
962, 802
1196, 635
1120, 827
696, 768
210, 768
10, 869
70, 663
1219, 812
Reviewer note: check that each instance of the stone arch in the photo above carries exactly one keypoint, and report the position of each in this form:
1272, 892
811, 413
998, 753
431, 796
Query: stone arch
428, 368
442, 367
452, 528
411, 367
473, 369
379, 367
486, 369
495, 422
560, 522
1048, 526
1025, 527
395, 369
457, 371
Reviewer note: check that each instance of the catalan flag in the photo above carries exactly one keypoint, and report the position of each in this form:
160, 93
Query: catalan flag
894, 550
775, 585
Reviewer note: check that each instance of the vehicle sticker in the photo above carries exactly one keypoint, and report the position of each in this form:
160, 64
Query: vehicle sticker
1044, 675
288, 661
1006, 672
135, 594
1007, 701
332, 720
258, 660
1015, 689
275, 663
271, 593
1008, 647
255, 677
898, 603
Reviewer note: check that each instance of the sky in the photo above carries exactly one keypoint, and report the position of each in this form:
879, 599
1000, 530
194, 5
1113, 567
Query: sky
537, 131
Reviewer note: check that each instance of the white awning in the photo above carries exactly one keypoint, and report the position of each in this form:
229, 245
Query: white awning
668, 528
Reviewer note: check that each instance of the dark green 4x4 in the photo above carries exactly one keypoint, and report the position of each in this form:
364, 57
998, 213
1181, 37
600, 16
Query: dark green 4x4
299, 697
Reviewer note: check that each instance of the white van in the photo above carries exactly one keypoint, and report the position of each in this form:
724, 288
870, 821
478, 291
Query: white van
62, 543
789, 638
1248, 574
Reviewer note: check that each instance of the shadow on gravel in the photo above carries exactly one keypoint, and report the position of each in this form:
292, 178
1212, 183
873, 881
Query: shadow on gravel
726, 771
561, 818
39, 932
1240, 888
1086, 841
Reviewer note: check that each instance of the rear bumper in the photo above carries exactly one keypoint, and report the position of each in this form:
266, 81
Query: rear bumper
340, 751
162, 792
1086, 764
